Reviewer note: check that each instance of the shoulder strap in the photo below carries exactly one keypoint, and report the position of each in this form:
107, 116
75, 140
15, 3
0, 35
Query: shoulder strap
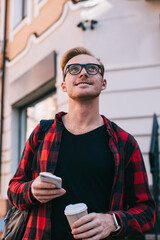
44, 127
46, 124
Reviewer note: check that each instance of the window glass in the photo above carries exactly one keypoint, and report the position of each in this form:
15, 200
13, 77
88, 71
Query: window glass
42, 110
30, 116
25, 8
20, 11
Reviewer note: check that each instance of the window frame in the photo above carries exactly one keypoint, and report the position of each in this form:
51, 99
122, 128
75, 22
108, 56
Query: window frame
38, 6
26, 19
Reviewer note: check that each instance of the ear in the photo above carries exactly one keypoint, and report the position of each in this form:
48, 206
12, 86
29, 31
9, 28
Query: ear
104, 84
63, 86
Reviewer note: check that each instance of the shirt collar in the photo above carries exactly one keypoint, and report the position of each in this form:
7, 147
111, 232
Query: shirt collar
108, 125
58, 117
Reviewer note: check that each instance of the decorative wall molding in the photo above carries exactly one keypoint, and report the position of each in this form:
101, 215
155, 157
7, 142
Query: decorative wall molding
36, 40
38, 6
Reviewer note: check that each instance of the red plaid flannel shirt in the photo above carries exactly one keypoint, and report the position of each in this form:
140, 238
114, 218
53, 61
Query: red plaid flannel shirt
131, 200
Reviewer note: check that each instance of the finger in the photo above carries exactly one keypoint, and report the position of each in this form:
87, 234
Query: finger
84, 220
84, 227
53, 193
47, 197
88, 234
96, 237
44, 192
44, 185
43, 199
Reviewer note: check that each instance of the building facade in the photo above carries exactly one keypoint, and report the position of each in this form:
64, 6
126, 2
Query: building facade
124, 34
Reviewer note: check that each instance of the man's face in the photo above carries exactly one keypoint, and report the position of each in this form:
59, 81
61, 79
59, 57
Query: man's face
83, 85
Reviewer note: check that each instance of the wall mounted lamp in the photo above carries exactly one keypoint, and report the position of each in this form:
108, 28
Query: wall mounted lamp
93, 22
81, 25
84, 25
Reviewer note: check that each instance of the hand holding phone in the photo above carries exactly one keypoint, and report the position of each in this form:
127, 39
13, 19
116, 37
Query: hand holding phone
50, 178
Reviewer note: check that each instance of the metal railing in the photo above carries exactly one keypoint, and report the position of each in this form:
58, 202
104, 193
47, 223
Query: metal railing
154, 164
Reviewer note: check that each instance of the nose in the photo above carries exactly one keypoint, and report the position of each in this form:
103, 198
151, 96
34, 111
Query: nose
83, 71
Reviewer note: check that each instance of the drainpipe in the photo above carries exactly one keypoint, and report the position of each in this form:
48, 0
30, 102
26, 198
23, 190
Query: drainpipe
2, 85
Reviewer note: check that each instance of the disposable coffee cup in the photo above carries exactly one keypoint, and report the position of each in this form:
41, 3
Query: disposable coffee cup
75, 211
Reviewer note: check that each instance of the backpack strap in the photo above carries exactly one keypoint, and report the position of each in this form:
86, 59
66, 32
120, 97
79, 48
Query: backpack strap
44, 127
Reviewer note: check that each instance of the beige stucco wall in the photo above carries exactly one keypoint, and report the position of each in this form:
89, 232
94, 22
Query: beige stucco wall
126, 39
47, 16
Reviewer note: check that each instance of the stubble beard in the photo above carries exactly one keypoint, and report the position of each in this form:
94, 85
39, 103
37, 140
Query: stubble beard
85, 97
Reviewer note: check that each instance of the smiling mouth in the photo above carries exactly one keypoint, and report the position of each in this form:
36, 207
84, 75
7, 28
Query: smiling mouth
83, 83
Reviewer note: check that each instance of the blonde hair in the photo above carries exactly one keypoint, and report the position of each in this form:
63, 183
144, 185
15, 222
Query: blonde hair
75, 52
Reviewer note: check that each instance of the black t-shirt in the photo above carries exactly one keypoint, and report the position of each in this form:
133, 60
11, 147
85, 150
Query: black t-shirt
86, 166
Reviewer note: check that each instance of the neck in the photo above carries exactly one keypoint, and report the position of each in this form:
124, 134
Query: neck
83, 117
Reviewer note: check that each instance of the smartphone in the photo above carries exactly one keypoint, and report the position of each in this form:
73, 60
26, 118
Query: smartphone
50, 178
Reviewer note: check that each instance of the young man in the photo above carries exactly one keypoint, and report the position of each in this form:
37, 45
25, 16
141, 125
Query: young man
99, 163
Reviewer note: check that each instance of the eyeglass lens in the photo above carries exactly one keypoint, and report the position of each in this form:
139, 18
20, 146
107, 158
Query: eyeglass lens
77, 68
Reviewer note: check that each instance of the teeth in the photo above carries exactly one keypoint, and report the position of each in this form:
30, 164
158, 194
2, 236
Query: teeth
83, 83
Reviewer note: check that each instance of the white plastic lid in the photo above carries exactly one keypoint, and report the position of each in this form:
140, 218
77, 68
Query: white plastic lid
75, 208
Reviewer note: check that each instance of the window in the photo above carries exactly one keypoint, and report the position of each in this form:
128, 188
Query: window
31, 115
20, 11
20, 15
38, 5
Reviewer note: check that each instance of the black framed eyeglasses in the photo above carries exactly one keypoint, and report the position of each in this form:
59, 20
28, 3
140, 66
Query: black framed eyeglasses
76, 68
